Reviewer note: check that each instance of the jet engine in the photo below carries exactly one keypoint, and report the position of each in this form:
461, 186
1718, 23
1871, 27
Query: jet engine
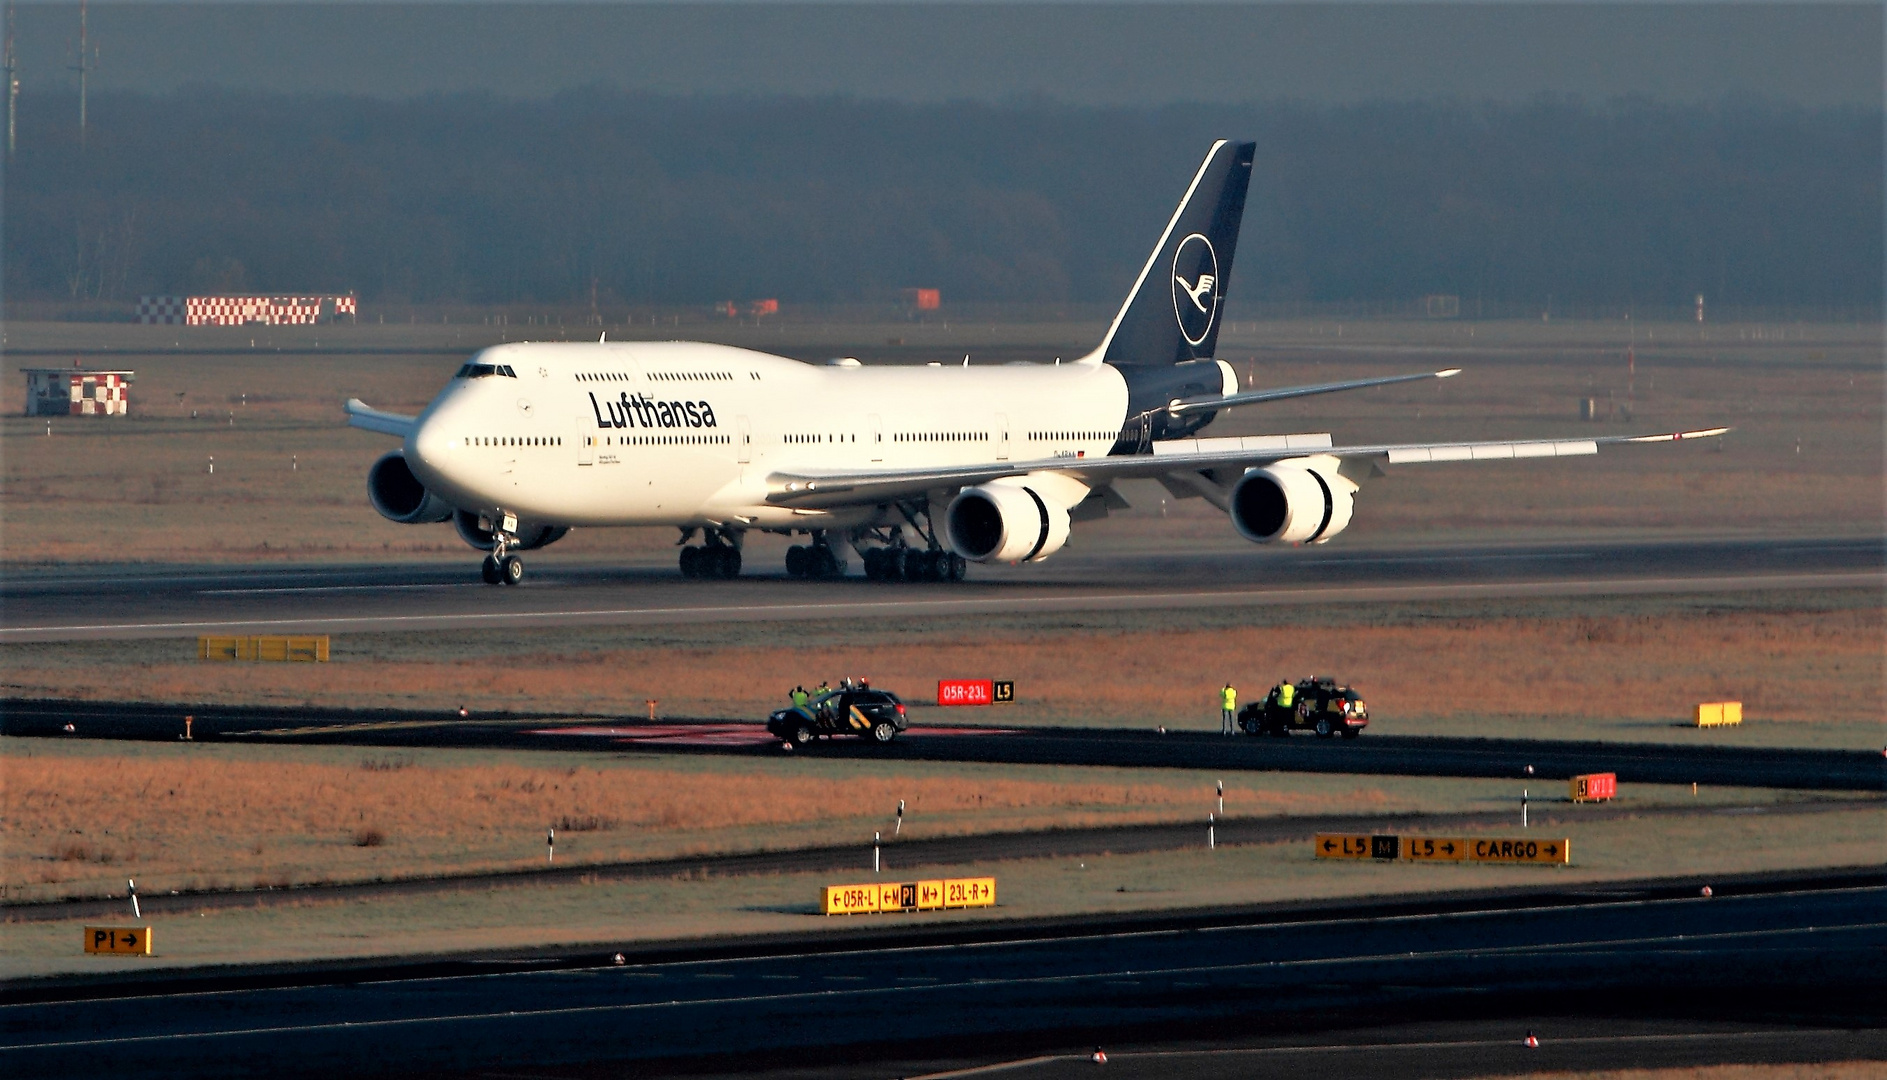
1296, 502
1005, 522
531, 535
399, 496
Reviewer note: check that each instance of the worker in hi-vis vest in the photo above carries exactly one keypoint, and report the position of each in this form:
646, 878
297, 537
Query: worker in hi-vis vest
1287, 694
1228, 704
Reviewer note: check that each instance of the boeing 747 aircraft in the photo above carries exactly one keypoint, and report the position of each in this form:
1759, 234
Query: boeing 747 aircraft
919, 470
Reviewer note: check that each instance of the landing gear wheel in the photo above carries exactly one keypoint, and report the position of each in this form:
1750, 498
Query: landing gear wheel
490, 571
729, 563
825, 563
796, 560
1324, 730
914, 564
511, 569
959, 566
691, 562
883, 732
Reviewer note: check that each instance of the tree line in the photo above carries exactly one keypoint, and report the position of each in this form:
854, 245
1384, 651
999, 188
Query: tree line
643, 198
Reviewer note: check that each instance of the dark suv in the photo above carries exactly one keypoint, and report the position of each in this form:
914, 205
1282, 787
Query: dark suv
1317, 704
876, 715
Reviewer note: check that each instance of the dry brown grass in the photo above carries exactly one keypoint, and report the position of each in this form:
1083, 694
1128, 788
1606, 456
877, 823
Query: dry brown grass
1807, 669
79, 822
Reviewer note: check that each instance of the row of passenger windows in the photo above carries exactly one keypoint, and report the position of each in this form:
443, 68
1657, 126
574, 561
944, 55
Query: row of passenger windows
514, 440
807, 440
1066, 436
691, 376
667, 440
602, 376
942, 436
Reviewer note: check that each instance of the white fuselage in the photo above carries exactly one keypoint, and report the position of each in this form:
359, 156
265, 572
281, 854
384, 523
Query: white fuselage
683, 433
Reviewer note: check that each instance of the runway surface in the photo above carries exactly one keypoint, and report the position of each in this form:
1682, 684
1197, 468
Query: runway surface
1395, 755
1773, 973
119, 602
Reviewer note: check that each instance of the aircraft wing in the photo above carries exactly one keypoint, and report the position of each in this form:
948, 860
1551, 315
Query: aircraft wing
361, 416
1252, 397
827, 490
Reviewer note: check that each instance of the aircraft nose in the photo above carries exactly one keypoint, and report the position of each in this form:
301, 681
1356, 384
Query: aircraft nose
434, 453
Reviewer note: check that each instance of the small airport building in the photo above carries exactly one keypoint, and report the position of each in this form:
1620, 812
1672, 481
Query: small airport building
77, 391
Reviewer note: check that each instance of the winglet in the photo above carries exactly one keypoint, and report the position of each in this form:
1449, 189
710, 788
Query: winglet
1448, 373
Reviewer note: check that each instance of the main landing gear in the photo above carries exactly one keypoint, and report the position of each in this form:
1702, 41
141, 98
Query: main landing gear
718, 556
889, 556
815, 560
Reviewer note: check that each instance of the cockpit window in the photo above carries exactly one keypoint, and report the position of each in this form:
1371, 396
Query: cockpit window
479, 371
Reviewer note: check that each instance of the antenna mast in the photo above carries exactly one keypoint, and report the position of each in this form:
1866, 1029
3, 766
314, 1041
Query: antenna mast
13, 84
85, 64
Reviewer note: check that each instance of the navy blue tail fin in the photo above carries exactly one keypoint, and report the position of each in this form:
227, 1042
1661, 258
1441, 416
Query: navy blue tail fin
1172, 314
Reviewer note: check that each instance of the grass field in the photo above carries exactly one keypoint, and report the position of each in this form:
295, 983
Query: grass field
289, 481
1808, 666
606, 912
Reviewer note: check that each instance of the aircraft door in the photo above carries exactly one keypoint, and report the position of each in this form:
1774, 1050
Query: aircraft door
877, 437
1002, 436
586, 441
743, 440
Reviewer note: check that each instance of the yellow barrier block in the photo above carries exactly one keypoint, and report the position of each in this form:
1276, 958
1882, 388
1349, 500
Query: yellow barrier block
118, 940
1491, 850
1719, 713
280, 648
1434, 848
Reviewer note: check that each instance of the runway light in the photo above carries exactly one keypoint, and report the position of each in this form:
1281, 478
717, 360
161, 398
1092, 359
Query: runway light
1099, 1057
1533, 1043
1706, 892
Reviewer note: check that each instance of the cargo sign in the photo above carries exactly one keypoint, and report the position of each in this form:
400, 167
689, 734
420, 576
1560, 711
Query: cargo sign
883, 897
118, 940
1594, 787
1487, 849
1441, 848
976, 691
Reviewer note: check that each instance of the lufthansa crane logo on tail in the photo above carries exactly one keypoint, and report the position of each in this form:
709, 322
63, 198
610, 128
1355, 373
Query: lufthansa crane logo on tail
1195, 288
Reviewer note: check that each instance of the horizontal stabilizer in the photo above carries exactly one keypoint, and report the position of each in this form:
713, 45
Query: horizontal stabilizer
1282, 393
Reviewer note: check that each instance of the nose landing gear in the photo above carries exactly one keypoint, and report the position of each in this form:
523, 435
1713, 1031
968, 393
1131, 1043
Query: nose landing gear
501, 567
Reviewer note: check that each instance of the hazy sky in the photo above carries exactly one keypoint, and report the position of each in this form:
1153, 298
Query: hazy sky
1137, 54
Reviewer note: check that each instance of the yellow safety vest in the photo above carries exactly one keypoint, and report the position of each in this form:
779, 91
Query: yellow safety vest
1228, 699
1285, 694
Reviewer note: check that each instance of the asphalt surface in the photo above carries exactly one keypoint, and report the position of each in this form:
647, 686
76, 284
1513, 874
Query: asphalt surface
108, 602
1769, 972
1395, 755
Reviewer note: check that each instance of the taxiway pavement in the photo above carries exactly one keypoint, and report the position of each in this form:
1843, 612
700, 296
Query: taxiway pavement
108, 602
1822, 950
1393, 755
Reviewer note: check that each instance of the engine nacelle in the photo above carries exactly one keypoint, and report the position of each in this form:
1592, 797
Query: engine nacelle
531, 536
1295, 502
1005, 522
399, 496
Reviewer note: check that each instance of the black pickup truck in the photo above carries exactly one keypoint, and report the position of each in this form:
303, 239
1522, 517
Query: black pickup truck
1317, 704
875, 715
